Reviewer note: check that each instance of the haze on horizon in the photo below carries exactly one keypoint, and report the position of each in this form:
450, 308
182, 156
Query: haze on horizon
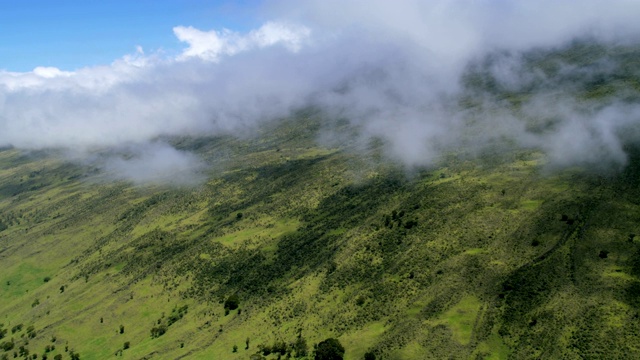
390, 69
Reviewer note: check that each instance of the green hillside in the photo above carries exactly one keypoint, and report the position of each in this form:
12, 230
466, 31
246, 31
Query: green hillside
291, 241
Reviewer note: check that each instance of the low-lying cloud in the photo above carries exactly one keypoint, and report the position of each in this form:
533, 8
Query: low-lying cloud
155, 163
393, 69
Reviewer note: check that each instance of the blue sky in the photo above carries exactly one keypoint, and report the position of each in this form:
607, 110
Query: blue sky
70, 34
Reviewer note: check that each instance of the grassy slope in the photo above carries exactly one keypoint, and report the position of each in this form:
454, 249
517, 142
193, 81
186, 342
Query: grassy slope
491, 270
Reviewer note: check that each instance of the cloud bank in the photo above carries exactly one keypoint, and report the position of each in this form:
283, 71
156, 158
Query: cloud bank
395, 70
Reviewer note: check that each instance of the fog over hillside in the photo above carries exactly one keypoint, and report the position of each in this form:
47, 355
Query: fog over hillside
395, 70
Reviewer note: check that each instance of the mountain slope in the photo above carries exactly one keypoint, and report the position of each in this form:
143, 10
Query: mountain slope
486, 256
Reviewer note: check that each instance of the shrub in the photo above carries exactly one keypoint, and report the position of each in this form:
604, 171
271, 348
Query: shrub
158, 331
300, 347
232, 302
7, 345
264, 349
279, 347
410, 224
16, 328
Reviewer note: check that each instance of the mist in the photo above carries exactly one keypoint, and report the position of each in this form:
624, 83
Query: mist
394, 70
155, 163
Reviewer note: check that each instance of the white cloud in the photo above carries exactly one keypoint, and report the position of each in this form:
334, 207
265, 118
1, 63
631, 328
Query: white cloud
50, 72
212, 45
155, 163
386, 66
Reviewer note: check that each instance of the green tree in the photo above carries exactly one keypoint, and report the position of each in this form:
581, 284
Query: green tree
329, 349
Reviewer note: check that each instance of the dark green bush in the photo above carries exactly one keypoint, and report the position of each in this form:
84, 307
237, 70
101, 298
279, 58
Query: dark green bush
329, 349
232, 302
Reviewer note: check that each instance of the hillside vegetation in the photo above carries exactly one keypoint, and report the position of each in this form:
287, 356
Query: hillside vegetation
290, 242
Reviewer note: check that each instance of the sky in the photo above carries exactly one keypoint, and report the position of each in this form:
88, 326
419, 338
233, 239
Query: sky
70, 34
117, 77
